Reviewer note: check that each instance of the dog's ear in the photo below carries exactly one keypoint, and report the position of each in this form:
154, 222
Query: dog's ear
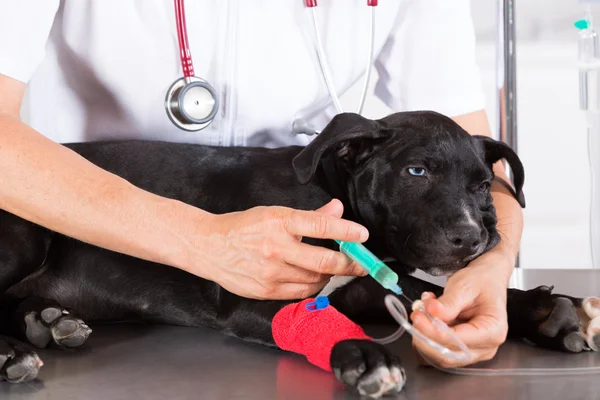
496, 150
348, 134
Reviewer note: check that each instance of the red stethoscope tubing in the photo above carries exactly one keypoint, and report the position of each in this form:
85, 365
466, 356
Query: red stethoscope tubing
184, 46
185, 53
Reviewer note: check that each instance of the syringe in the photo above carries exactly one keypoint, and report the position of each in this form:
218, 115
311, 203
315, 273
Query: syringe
373, 265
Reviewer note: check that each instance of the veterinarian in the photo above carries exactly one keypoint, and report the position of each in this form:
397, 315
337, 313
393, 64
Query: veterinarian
86, 70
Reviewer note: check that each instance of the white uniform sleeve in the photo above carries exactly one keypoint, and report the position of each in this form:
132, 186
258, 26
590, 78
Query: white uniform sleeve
429, 62
24, 29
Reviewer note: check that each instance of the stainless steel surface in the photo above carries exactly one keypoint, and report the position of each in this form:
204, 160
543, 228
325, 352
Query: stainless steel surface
160, 362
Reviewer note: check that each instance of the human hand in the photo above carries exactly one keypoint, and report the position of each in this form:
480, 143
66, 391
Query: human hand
474, 305
258, 253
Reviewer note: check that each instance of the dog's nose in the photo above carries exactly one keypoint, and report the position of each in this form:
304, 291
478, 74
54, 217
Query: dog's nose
465, 241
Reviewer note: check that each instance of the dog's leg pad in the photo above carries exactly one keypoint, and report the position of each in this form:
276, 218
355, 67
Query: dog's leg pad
36, 332
18, 363
47, 322
51, 314
70, 332
369, 367
381, 382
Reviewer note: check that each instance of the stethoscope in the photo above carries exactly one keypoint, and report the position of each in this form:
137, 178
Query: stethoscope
192, 103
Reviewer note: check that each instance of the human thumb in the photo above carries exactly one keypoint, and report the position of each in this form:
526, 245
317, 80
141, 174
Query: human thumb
334, 208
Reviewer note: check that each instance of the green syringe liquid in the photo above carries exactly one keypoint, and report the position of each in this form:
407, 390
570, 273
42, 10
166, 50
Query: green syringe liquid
373, 265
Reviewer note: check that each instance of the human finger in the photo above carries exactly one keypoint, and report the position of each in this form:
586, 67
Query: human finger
480, 332
322, 226
294, 274
334, 208
321, 260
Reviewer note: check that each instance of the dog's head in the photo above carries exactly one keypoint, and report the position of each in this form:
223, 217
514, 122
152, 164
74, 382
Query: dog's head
418, 182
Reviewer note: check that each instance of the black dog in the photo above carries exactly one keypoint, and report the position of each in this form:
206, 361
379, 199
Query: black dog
416, 180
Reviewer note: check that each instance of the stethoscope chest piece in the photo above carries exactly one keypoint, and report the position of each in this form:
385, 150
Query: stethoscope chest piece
191, 103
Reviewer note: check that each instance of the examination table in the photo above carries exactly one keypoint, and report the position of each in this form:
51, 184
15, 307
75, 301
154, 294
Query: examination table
159, 362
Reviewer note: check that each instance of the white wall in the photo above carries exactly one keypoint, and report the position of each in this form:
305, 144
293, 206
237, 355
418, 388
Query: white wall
551, 130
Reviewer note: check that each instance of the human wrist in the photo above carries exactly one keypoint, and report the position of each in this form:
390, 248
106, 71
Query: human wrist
188, 246
498, 264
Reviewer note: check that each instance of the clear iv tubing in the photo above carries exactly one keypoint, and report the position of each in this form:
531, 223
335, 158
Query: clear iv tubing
398, 312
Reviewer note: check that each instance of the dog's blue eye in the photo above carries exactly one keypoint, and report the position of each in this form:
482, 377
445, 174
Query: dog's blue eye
416, 171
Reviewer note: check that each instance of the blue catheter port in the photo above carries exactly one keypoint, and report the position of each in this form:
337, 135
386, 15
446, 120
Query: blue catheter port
320, 303
373, 265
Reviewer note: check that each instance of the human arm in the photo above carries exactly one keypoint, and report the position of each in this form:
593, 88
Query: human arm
51, 185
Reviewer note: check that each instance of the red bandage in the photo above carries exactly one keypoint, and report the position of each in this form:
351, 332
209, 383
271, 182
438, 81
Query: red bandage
313, 333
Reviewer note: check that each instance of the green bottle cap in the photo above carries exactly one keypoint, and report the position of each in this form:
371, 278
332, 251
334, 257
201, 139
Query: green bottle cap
582, 24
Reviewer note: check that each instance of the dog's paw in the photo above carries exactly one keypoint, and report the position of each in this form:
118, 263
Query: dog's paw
46, 322
18, 362
556, 321
368, 367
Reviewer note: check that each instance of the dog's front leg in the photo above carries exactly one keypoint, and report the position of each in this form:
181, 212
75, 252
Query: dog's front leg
326, 337
369, 367
362, 300
554, 321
